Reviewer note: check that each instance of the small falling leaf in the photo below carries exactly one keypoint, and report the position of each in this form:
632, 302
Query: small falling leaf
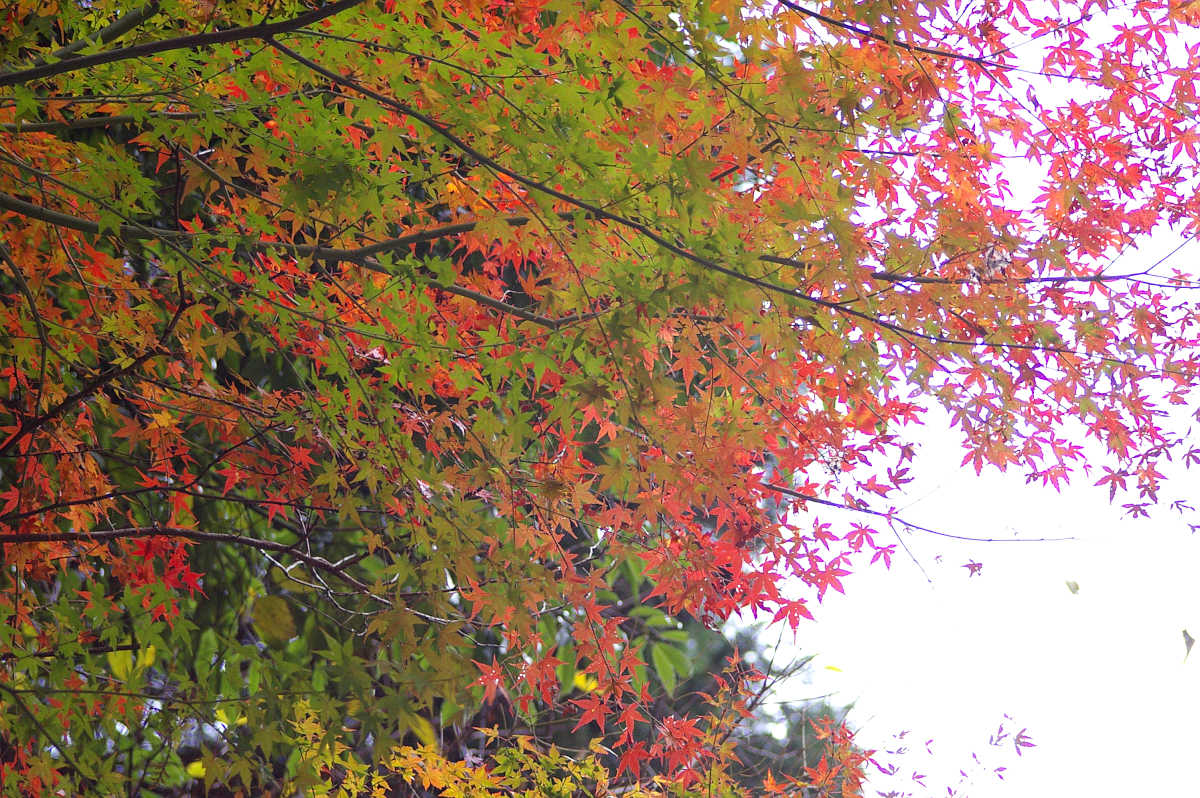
1188, 642
973, 568
1073, 587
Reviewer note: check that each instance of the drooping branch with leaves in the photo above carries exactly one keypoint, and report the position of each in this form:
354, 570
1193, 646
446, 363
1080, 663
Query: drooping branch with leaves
391, 393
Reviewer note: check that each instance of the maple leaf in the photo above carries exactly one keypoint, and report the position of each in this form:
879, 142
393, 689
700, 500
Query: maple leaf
491, 678
594, 708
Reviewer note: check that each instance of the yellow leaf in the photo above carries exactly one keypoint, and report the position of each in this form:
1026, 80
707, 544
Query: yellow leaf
120, 663
163, 419
223, 717
196, 769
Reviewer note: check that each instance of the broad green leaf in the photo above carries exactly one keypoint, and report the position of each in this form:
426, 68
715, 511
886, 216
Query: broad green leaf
273, 619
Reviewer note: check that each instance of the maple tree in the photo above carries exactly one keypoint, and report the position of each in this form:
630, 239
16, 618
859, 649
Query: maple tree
385, 383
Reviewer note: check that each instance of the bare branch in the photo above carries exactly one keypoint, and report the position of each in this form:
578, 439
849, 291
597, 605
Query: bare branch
893, 518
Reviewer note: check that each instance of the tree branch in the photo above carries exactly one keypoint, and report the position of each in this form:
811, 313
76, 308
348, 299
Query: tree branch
90, 122
888, 40
928, 280
261, 31
101, 535
109, 34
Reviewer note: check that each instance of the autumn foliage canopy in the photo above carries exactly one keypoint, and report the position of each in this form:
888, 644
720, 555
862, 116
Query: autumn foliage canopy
388, 387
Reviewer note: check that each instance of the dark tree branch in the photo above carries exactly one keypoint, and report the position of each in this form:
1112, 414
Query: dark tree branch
107, 35
262, 31
867, 33
929, 280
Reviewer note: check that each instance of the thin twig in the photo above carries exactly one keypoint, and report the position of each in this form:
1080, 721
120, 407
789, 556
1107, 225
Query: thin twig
892, 517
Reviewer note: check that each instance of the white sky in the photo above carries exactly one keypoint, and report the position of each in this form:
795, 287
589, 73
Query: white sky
1098, 677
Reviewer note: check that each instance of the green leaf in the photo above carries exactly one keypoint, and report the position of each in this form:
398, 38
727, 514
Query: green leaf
951, 119
664, 666
206, 652
566, 671
678, 658
273, 620
26, 102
